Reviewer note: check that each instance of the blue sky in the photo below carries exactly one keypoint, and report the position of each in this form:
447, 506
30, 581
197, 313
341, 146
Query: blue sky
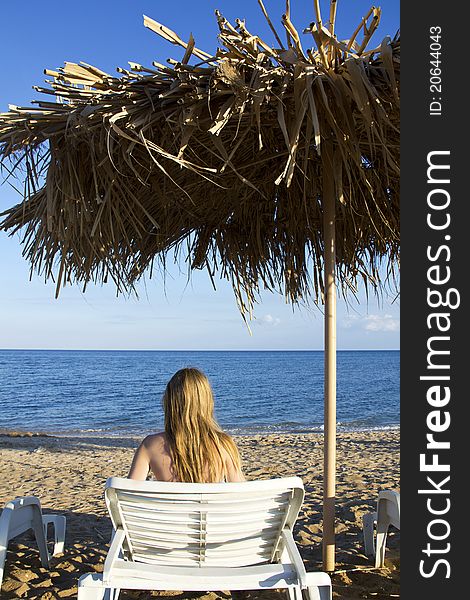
179, 315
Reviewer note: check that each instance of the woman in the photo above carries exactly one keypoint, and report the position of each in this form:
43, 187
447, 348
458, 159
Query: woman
192, 448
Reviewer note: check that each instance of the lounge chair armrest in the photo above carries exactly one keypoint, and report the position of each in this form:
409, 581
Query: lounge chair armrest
59, 522
319, 586
294, 556
113, 553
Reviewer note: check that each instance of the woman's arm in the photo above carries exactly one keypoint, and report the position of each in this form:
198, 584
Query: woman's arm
140, 464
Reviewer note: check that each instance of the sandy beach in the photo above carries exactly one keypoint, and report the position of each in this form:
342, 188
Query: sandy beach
68, 476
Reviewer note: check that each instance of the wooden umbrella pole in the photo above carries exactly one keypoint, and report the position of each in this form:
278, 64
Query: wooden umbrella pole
329, 472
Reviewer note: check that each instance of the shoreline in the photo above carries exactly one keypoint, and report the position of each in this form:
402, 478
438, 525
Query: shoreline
68, 475
85, 434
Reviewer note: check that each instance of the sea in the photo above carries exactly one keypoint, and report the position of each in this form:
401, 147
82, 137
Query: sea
118, 393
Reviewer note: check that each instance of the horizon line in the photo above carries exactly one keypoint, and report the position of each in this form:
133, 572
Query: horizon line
196, 349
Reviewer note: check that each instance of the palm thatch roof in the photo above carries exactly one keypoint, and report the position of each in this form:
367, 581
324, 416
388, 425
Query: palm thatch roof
216, 159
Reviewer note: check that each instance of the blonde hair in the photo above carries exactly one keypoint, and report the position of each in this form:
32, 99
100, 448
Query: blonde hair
195, 438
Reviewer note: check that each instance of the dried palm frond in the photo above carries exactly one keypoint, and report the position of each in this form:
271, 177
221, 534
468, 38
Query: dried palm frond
215, 159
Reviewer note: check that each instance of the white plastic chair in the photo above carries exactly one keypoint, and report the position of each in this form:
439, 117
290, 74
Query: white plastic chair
388, 513
25, 513
203, 537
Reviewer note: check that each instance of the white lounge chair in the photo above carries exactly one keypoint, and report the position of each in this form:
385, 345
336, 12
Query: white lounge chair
25, 513
203, 537
388, 513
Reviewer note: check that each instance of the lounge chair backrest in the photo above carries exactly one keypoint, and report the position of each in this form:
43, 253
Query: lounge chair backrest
203, 524
21, 514
389, 501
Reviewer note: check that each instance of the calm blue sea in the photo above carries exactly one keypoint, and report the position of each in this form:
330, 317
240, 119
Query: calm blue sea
119, 392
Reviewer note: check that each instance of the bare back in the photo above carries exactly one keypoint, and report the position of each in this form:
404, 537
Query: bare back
154, 455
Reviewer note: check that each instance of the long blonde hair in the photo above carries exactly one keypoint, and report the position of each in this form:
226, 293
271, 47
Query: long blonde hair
195, 438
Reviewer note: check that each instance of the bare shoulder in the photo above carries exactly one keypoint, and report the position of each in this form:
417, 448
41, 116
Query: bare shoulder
232, 469
151, 451
156, 444
155, 441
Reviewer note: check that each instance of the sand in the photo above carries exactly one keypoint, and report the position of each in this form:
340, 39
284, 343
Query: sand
68, 476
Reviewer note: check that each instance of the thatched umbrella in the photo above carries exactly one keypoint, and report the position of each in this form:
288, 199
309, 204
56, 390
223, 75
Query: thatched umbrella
275, 168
